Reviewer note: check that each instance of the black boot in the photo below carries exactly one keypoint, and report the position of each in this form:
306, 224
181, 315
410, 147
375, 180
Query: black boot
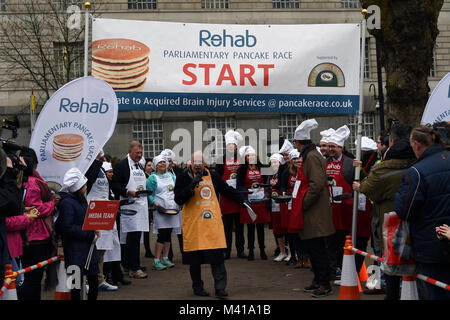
117, 275
242, 255
251, 255
263, 254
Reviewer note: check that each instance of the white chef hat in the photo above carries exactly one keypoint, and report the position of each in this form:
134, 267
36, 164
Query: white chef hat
278, 157
340, 135
293, 154
303, 130
158, 159
233, 137
168, 154
245, 150
107, 166
287, 147
326, 134
73, 180
367, 144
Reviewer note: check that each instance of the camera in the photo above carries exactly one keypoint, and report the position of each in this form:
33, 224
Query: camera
8, 148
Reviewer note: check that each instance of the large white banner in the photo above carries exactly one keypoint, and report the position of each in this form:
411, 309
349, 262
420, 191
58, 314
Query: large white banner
74, 124
170, 66
438, 105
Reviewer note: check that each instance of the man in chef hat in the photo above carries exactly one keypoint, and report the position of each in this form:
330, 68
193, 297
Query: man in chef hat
311, 198
227, 170
340, 172
323, 143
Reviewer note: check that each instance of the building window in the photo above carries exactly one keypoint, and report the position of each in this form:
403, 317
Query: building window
141, 4
367, 59
218, 145
69, 55
215, 4
285, 4
2, 5
350, 4
368, 129
433, 72
150, 134
287, 125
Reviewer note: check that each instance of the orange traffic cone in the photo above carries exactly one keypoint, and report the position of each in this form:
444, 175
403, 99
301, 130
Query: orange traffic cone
10, 293
349, 278
363, 276
359, 284
62, 291
409, 288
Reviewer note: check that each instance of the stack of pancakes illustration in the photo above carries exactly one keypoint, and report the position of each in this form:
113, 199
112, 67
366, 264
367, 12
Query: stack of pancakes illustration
67, 147
123, 63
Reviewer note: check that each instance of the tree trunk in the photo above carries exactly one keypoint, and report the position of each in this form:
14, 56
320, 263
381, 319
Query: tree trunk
406, 38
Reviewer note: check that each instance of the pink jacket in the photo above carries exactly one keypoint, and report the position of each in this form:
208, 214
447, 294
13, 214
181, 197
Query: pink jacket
37, 230
14, 225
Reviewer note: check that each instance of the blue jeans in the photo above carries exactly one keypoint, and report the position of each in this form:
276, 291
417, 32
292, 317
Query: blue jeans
17, 265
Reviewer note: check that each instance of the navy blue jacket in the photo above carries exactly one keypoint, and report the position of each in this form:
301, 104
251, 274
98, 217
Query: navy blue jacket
76, 242
423, 200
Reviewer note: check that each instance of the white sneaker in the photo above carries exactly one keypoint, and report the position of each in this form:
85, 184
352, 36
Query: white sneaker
105, 286
337, 282
280, 257
288, 257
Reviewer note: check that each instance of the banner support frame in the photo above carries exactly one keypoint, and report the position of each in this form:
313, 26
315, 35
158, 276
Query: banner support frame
360, 115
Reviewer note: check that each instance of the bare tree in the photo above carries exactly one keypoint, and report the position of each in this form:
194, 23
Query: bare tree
40, 44
407, 38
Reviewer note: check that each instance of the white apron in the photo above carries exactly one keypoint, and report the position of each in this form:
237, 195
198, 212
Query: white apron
100, 191
165, 197
114, 254
139, 221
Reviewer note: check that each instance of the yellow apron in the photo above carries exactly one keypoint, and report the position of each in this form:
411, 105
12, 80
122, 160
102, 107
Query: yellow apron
202, 220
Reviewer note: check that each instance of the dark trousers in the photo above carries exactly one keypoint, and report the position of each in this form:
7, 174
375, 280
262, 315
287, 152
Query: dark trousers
361, 244
436, 271
112, 268
180, 243
393, 287
230, 220
318, 255
75, 294
132, 251
31, 287
251, 235
219, 274
147, 234
295, 244
335, 246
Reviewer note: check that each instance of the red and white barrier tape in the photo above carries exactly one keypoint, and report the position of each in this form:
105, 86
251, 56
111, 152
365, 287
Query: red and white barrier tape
36, 266
434, 282
419, 276
5, 286
39, 265
368, 255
